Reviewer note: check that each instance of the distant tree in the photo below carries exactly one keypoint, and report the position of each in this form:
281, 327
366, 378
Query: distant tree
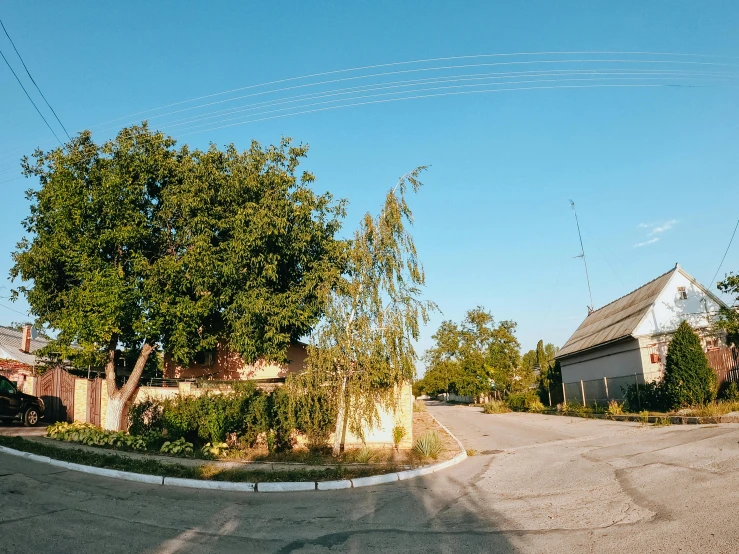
476, 355
363, 347
728, 318
134, 245
688, 379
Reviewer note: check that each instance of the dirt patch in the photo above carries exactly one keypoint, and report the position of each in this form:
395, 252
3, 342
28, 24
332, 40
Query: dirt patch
423, 422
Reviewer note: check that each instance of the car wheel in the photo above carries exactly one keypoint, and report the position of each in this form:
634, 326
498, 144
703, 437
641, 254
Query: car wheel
31, 418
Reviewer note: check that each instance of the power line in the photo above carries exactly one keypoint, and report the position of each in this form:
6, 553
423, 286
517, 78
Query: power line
434, 60
33, 81
13, 310
29, 97
725, 253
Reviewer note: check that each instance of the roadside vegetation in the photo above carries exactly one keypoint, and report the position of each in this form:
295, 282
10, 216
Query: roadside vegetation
208, 472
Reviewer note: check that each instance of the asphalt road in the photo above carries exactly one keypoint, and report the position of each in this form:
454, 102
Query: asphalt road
537, 484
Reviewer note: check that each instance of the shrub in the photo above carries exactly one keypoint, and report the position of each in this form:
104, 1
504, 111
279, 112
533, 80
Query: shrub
398, 434
647, 396
178, 447
730, 392
520, 401
364, 455
615, 407
215, 449
495, 407
85, 433
688, 378
428, 445
536, 406
644, 417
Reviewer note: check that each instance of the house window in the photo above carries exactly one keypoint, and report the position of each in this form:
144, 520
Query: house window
712, 343
682, 294
204, 357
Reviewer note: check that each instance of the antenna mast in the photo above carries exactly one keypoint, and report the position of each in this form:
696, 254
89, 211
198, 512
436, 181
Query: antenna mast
582, 255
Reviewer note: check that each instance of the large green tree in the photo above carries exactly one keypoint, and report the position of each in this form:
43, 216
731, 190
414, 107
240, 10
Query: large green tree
475, 356
688, 379
363, 348
137, 245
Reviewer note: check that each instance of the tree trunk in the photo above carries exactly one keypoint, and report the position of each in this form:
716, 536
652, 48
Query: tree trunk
340, 417
118, 397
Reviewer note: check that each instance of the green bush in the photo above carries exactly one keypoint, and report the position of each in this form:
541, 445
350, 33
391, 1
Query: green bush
398, 434
730, 392
178, 447
647, 396
495, 407
428, 445
688, 378
85, 433
520, 402
536, 406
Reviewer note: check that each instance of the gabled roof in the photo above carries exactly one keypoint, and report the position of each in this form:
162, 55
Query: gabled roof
618, 319
10, 346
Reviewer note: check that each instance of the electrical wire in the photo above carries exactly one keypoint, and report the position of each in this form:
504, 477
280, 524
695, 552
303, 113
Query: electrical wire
426, 89
429, 60
33, 80
725, 253
457, 93
29, 97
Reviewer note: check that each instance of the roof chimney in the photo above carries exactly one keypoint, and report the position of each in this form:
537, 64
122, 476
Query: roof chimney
26, 339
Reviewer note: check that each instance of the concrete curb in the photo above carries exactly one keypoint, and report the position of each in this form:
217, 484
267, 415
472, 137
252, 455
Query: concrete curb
333, 485
250, 487
287, 487
375, 480
214, 485
462, 450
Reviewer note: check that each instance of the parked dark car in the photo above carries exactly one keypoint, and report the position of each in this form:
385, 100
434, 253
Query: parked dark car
15, 404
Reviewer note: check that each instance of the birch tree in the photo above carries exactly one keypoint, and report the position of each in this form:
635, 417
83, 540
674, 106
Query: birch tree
363, 348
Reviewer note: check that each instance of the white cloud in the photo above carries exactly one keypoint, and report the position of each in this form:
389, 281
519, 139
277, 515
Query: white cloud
650, 241
661, 228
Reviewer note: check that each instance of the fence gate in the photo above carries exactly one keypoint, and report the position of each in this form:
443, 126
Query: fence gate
94, 396
56, 389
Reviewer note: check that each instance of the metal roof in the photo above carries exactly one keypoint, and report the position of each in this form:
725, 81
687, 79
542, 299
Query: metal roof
616, 320
10, 346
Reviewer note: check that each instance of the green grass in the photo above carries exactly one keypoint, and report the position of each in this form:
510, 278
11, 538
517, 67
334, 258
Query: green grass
208, 472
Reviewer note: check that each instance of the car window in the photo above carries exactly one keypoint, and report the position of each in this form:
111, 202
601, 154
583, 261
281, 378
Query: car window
5, 386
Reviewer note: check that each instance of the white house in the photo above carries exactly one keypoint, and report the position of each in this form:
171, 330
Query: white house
626, 340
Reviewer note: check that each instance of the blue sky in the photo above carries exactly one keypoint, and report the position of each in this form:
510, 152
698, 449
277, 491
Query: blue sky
652, 169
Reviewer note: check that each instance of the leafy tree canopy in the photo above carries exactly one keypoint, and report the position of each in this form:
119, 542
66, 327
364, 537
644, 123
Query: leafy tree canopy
136, 243
475, 356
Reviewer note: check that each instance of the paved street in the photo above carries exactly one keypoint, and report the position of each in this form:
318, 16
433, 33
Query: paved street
537, 484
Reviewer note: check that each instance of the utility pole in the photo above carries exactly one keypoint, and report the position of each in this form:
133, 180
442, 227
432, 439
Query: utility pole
582, 255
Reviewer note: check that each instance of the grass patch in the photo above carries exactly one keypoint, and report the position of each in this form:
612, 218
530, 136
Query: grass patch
208, 472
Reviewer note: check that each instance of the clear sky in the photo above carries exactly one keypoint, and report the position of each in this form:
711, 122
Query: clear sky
650, 160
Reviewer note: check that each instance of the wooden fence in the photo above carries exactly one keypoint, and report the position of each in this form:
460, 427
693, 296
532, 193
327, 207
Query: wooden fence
725, 362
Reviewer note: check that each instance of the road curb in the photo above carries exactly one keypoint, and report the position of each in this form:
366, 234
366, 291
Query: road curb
250, 487
214, 485
287, 486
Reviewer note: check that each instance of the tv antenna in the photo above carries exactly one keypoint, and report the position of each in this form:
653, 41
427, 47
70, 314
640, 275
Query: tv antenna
582, 255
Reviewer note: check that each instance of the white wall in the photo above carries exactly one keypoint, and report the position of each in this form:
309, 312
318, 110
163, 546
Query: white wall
613, 360
668, 311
